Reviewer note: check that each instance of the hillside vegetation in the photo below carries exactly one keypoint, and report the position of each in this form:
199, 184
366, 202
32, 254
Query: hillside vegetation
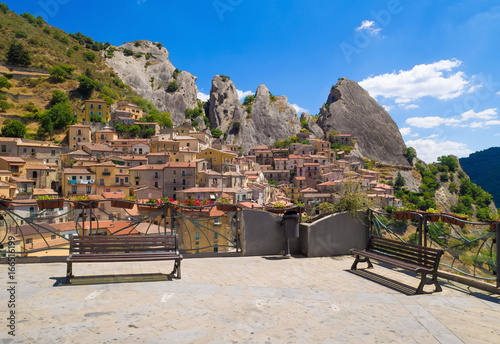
483, 168
38, 59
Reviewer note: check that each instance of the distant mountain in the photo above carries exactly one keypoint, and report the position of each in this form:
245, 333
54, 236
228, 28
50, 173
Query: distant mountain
483, 169
351, 110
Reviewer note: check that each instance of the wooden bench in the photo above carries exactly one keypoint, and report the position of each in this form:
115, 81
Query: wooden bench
100, 249
410, 257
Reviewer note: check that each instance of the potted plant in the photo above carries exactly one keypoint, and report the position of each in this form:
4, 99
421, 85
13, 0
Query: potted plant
404, 214
83, 201
454, 219
494, 220
277, 207
5, 201
125, 202
433, 214
151, 205
194, 204
49, 202
224, 204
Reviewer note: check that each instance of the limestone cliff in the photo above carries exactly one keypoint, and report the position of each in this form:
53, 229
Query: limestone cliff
351, 110
149, 71
315, 129
266, 120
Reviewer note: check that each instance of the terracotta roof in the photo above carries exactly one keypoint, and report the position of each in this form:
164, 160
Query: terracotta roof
113, 195
148, 167
201, 189
12, 159
180, 164
95, 100
76, 171
40, 192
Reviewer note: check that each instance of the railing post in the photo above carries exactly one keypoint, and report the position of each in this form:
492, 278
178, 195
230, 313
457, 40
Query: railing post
422, 230
497, 236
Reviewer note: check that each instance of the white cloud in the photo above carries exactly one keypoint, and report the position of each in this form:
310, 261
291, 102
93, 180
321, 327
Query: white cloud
140, 2
498, 93
430, 121
203, 97
405, 131
487, 116
243, 94
411, 106
429, 150
299, 109
387, 107
369, 26
425, 80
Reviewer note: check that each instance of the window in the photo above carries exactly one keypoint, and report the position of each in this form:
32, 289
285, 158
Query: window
99, 107
91, 106
101, 182
156, 184
74, 190
197, 236
88, 177
24, 150
35, 174
4, 148
175, 172
79, 132
99, 113
89, 189
29, 240
53, 237
117, 180
215, 158
126, 180
91, 113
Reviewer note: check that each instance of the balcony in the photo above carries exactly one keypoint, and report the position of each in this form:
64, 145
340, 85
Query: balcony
106, 174
80, 181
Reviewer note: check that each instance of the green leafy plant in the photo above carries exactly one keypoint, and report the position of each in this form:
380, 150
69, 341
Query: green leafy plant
45, 197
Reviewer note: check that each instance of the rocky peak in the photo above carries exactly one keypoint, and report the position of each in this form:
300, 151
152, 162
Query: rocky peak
351, 110
315, 129
225, 105
149, 71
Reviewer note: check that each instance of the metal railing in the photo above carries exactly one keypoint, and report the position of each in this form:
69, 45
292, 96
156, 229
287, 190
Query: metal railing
470, 248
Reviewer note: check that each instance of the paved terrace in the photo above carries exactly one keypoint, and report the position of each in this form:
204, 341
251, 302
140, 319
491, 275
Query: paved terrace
243, 300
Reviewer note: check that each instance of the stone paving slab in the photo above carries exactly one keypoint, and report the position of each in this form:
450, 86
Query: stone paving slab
242, 300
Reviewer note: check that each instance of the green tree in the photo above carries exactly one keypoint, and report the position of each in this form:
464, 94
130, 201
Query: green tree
13, 129
89, 55
61, 115
449, 161
18, 55
86, 86
4, 105
96, 118
249, 99
4, 83
216, 133
4, 8
134, 130
148, 132
410, 154
172, 86
400, 181
58, 97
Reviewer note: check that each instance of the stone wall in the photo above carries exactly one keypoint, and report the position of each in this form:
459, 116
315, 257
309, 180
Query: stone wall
333, 235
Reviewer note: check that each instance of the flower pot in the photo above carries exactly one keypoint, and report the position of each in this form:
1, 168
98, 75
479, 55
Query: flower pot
119, 203
275, 210
493, 224
401, 215
5, 202
455, 220
85, 204
434, 217
50, 203
225, 206
149, 207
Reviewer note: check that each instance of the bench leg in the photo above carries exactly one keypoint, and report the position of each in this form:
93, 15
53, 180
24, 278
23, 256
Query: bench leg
362, 260
177, 268
424, 281
69, 272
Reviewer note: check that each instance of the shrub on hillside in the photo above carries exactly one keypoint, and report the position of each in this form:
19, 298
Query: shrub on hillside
13, 129
89, 56
18, 55
172, 86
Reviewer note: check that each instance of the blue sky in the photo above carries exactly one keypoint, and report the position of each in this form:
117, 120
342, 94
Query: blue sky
432, 64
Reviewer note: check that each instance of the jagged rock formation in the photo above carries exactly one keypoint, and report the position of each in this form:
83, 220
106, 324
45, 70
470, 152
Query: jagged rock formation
225, 107
270, 120
149, 77
350, 110
312, 126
